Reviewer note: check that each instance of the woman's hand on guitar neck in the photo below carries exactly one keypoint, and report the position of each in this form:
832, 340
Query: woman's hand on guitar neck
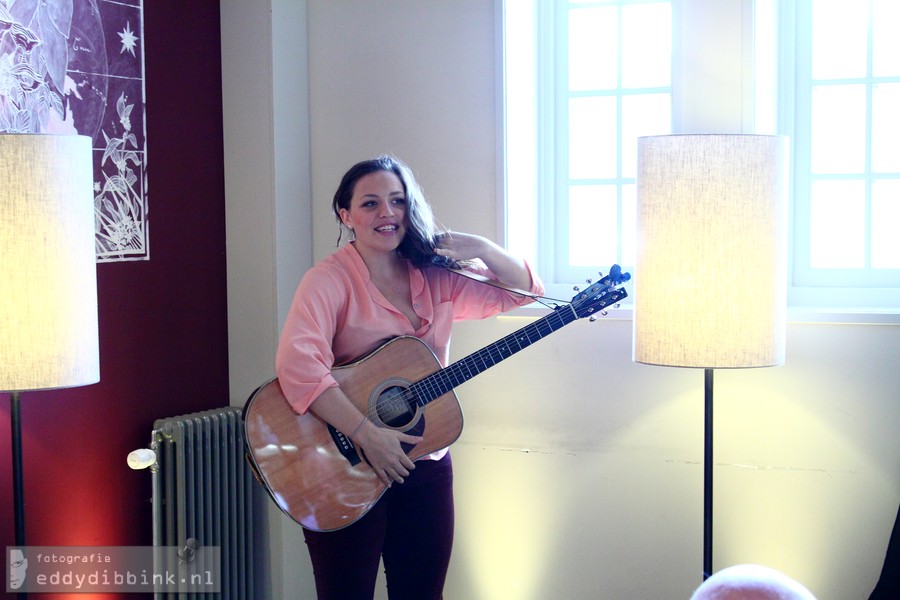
383, 451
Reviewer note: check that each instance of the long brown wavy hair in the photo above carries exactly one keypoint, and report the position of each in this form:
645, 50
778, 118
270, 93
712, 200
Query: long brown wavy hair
419, 241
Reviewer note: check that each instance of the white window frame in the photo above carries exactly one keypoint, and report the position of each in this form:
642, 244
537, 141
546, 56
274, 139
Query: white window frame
732, 92
864, 290
527, 220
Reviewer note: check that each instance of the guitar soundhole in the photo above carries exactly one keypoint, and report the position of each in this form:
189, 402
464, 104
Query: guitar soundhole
393, 407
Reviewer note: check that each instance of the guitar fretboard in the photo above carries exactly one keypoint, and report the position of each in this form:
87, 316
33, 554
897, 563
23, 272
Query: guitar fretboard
439, 383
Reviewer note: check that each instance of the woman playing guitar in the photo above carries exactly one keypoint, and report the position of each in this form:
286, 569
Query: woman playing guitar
391, 279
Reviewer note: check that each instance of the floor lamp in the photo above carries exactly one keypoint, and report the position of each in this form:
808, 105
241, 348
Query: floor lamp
711, 272
48, 311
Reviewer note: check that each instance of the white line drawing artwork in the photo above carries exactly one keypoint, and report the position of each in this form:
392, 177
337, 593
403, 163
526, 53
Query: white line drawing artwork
77, 66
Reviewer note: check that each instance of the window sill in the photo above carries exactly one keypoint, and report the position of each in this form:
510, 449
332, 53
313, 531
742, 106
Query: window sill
795, 315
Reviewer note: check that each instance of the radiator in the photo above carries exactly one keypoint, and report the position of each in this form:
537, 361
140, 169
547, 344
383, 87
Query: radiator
203, 494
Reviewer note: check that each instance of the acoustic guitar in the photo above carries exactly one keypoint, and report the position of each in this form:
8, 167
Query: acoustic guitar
316, 475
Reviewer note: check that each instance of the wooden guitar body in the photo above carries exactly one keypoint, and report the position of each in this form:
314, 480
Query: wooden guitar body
314, 473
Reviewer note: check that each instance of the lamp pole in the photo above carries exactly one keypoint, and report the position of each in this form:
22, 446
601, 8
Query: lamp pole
15, 422
707, 473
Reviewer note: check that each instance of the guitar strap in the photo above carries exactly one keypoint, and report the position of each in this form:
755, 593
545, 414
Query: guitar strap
493, 283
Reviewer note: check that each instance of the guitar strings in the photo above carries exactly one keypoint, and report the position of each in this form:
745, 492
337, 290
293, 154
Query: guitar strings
439, 383
446, 379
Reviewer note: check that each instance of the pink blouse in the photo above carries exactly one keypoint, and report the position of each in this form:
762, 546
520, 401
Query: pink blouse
338, 315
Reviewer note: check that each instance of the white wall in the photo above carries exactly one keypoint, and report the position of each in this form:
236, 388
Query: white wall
268, 230
415, 79
579, 473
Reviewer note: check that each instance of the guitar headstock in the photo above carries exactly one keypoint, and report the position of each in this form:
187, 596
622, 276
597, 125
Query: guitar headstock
600, 295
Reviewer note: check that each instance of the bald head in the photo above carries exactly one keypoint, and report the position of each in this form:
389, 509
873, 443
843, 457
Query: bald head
751, 582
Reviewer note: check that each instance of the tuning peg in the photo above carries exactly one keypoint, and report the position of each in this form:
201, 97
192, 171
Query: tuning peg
588, 281
576, 288
592, 318
604, 312
617, 305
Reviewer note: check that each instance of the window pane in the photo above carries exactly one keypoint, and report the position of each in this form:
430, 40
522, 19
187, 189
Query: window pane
839, 39
886, 54
837, 225
886, 128
838, 143
646, 45
592, 138
643, 114
593, 225
885, 218
593, 48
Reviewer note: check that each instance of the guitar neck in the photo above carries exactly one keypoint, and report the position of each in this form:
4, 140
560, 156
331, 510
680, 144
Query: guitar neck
439, 383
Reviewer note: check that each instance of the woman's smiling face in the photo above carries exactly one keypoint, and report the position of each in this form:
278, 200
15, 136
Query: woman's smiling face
377, 213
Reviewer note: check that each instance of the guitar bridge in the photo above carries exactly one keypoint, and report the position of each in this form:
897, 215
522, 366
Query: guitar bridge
344, 445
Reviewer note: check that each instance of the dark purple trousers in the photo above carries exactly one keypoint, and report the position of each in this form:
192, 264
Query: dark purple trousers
410, 527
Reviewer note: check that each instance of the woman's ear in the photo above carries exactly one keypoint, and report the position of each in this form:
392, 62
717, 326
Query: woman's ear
345, 217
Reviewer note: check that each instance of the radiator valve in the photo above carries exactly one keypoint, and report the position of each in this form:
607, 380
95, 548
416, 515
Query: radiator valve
141, 458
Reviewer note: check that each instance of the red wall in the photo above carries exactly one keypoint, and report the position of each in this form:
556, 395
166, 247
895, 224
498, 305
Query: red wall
163, 335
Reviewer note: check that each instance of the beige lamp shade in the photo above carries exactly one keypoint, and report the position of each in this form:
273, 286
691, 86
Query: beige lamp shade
711, 274
48, 269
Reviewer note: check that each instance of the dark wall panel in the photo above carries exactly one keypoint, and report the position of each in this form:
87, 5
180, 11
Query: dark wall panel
163, 322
